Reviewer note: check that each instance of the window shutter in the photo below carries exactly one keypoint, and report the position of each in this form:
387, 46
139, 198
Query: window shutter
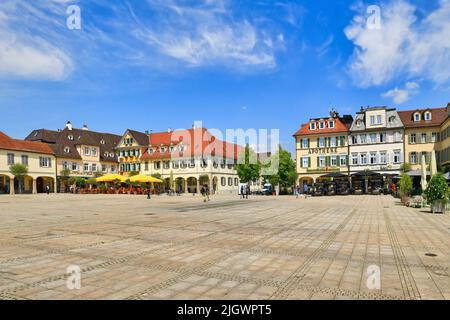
328, 161
309, 143
309, 162
301, 162
318, 162
338, 161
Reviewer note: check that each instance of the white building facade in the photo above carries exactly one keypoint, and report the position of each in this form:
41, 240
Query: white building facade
376, 142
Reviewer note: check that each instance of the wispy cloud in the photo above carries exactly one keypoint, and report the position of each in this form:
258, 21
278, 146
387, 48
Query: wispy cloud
406, 46
28, 50
400, 96
206, 33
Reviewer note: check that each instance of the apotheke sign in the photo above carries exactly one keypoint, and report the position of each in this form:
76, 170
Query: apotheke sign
323, 150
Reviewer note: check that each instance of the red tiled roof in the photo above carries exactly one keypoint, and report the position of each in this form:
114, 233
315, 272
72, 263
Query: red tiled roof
197, 142
8, 143
438, 116
339, 126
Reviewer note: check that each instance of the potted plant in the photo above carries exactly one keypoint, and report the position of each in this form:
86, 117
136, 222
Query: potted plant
406, 187
437, 193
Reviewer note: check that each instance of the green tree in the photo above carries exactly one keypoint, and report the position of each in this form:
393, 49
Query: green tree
64, 176
248, 167
405, 185
80, 182
203, 179
19, 171
437, 189
91, 181
286, 174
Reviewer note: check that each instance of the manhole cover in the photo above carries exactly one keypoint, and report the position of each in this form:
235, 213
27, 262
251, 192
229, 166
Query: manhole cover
431, 255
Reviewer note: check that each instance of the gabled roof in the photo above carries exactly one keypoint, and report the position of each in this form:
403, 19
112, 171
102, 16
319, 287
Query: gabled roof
68, 140
140, 137
197, 142
341, 125
359, 124
8, 143
438, 116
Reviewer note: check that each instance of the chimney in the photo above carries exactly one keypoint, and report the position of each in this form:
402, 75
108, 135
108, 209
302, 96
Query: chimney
69, 125
149, 137
85, 127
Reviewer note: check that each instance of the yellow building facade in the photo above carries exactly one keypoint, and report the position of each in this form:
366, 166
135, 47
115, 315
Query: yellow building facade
322, 148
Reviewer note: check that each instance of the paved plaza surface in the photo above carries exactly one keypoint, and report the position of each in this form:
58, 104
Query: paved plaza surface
129, 247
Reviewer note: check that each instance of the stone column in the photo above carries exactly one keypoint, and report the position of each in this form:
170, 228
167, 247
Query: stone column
11, 186
185, 186
198, 185
34, 186
55, 186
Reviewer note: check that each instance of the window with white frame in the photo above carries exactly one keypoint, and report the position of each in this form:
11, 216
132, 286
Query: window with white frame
423, 138
322, 143
113, 168
383, 157
363, 138
305, 143
416, 117
312, 126
86, 167
94, 152
45, 162
413, 158
412, 138
322, 162
104, 168
363, 159
87, 151
373, 138
379, 119
373, 158
355, 159
321, 125
428, 116
74, 166
331, 124
343, 160
94, 167
397, 156
354, 139
305, 162
333, 142
372, 120
334, 161
434, 137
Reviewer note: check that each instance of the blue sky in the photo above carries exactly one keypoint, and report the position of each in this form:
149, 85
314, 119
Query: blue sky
154, 64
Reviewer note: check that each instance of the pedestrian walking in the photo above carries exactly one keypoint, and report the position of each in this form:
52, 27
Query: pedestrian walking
203, 192
247, 191
149, 193
207, 192
242, 192
305, 189
47, 189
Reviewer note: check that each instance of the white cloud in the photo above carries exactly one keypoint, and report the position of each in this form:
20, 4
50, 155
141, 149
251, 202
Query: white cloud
404, 47
400, 96
207, 33
24, 54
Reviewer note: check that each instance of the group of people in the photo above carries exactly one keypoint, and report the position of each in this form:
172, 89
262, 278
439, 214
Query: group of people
298, 190
245, 191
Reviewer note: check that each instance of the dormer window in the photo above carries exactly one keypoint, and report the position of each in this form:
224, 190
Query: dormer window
321, 125
66, 150
151, 151
417, 117
172, 149
102, 141
162, 149
358, 123
331, 124
312, 126
427, 116
392, 119
70, 137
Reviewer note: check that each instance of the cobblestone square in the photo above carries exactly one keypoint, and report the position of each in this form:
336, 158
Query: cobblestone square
128, 247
